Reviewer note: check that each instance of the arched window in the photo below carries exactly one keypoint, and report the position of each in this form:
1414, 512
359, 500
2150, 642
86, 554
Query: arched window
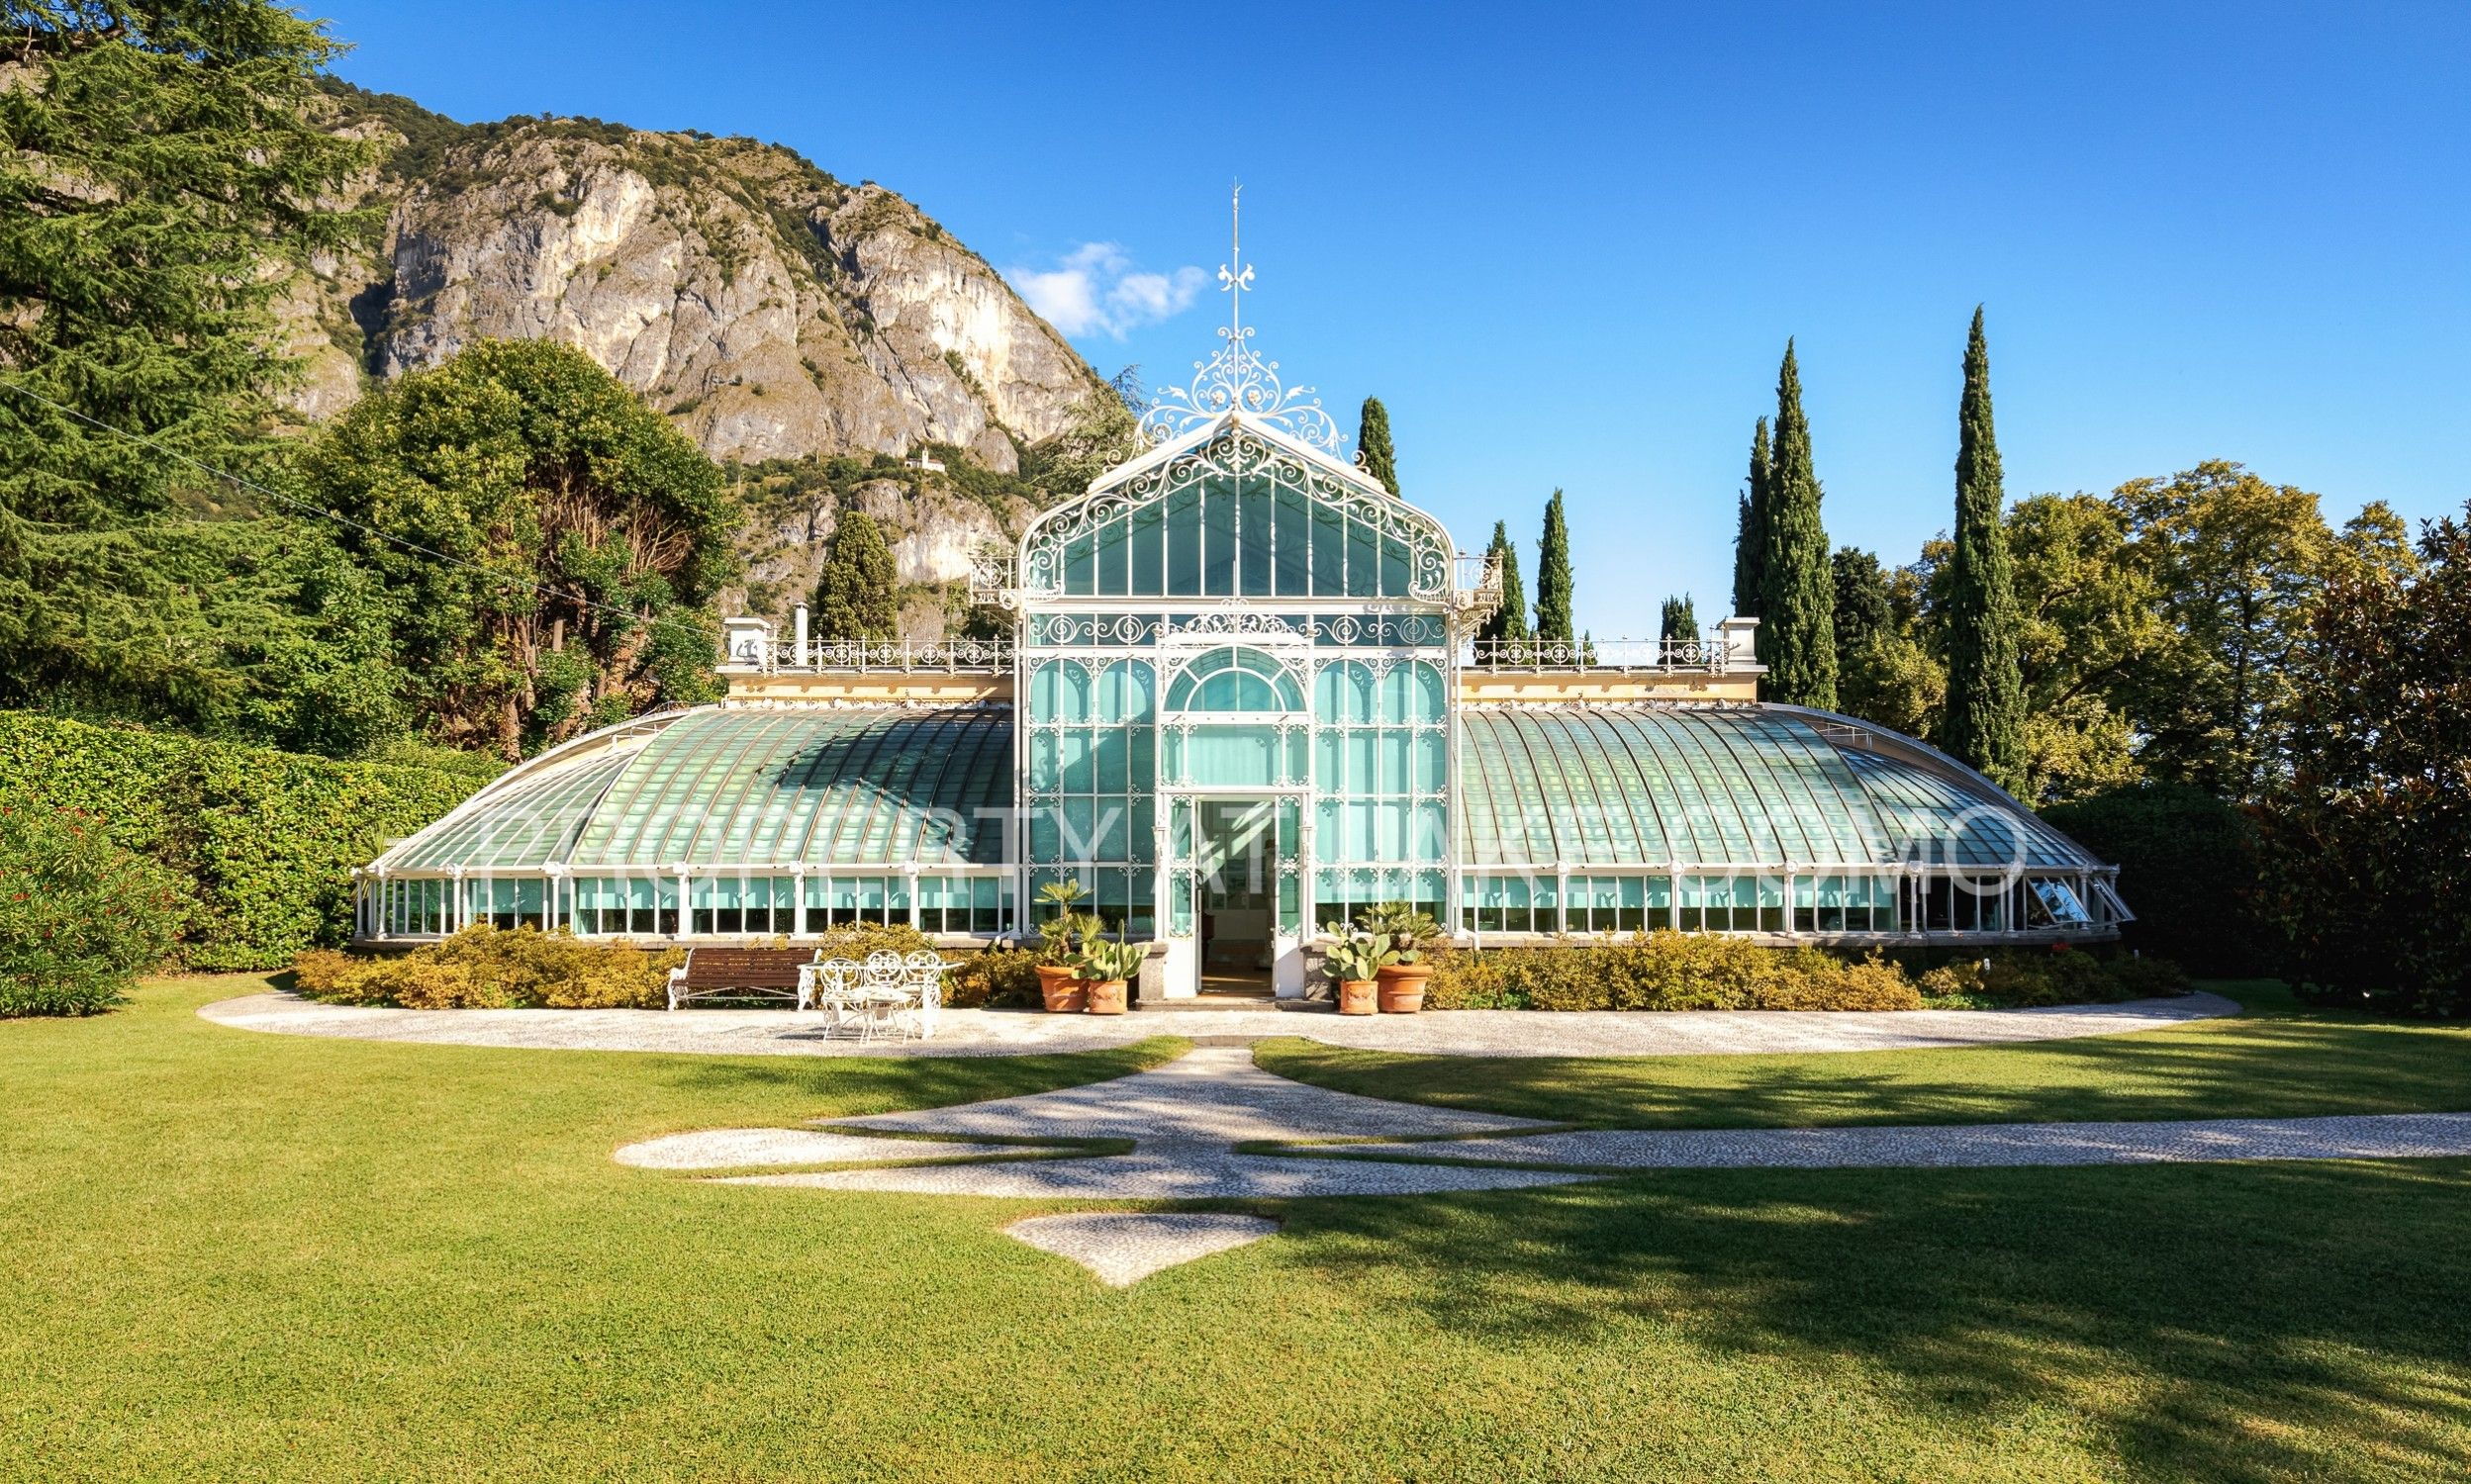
1235, 679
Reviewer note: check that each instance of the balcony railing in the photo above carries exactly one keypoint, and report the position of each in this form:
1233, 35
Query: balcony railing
1713, 656
758, 653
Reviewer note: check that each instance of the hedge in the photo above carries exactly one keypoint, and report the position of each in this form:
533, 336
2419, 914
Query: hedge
263, 841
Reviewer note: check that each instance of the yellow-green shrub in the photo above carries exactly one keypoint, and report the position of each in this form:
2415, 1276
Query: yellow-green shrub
1665, 970
993, 976
485, 968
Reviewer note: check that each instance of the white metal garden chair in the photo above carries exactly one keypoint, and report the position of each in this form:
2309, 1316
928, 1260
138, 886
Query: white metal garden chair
924, 972
832, 987
884, 988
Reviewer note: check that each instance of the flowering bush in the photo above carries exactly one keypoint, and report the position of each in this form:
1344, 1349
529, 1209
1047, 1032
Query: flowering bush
79, 917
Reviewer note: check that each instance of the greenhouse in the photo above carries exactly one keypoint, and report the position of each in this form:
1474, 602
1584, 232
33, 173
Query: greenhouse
1241, 697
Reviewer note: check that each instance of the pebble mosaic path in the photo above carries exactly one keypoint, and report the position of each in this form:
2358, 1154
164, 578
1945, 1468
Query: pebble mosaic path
1189, 1118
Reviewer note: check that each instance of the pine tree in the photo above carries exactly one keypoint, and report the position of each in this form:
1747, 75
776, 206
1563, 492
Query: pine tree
1372, 445
856, 598
1750, 538
1797, 591
1680, 621
1509, 619
1985, 686
1553, 577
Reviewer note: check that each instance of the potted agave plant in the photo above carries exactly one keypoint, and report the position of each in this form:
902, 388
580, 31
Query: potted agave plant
1106, 971
1060, 942
1354, 960
1407, 933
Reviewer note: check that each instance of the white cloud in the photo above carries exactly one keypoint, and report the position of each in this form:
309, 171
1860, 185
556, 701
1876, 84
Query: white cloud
1097, 288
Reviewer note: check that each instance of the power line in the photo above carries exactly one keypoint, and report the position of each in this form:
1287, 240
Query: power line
537, 589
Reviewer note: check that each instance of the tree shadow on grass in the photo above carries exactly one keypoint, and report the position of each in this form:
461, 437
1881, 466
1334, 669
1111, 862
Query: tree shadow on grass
2278, 1067
846, 1087
2205, 1320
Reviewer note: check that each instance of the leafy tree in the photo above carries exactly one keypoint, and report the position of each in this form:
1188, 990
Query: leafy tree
1797, 593
548, 540
1885, 672
1678, 621
161, 168
1750, 537
2367, 837
858, 595
1553, 577
1106, 432
2237, 566
2088, 619
1509, 617
1984, 723
1372, 445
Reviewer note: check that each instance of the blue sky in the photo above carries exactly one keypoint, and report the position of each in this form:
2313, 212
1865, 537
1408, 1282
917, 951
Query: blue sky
1566, 245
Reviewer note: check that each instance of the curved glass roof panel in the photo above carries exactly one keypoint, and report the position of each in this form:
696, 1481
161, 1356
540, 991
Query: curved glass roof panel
526, 824
1652, 785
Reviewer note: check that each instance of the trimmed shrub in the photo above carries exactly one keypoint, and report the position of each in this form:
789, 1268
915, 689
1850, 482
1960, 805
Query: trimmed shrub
1664, 970
485, 968
1001, 977
2020, 978
264, 841
80, 918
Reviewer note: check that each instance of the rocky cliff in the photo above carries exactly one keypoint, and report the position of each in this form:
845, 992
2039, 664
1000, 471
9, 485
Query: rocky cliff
773, 312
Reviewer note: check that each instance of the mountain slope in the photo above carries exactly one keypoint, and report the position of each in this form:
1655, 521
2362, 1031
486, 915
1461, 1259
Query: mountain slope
772, 310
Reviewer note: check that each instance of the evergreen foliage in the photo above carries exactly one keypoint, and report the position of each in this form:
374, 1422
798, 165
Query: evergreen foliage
2187, 865
82, 917
1984, 721
858, 595
263, 842
1680, 621
2367, 836
1554, 622
1750, 537
1372, 445
1509, 616
1797, 592
550, 539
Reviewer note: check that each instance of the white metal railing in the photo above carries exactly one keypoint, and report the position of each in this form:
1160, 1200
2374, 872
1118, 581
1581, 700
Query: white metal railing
1600, 654
952, 656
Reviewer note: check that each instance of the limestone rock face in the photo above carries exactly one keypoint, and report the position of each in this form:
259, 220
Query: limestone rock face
771, 309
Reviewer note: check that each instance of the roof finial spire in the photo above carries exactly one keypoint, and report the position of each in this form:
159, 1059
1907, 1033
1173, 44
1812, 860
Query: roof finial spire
1234, 277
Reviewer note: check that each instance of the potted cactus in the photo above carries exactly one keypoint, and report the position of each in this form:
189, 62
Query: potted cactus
1408, 934
1060, 942
1106, 970
1354, 960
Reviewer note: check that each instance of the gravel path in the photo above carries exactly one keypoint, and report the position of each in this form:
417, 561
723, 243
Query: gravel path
1123, 1248
989, 1033
2384, 1135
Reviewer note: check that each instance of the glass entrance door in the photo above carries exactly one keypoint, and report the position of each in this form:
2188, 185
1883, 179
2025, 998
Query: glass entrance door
1236, 890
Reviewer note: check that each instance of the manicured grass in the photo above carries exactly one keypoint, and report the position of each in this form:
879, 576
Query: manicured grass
2277, 1060
236, 1255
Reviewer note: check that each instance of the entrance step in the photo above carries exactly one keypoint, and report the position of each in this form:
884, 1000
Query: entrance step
1205, 1002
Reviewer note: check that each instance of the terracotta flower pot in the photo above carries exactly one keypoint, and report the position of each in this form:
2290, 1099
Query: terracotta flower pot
1107, 996
1356, 997
1060, 988
1402, 987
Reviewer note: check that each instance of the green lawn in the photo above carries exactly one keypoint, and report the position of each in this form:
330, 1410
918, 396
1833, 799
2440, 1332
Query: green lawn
232, 1255
2278, 1060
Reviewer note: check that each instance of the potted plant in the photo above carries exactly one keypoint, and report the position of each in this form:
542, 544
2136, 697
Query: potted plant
1408, 933
1106, 967
1060, 943
1354, 959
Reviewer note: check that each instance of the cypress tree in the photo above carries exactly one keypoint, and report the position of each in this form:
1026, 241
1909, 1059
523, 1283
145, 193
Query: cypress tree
857, 597
1680, 621
1509, 617
1985, 683
1509, 621
1553, 577
1797, 591
1372, 445
1750, 537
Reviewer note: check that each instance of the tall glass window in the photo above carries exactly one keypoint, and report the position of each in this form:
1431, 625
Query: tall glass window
1381, 771
1093, 779
1257, 535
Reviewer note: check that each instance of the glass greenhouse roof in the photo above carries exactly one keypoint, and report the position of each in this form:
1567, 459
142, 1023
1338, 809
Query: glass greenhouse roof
725, 786
1744, 787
